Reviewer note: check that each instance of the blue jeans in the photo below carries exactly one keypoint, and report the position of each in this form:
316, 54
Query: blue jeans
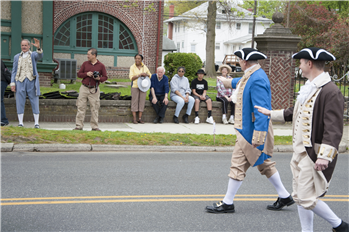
180, 103
4, 120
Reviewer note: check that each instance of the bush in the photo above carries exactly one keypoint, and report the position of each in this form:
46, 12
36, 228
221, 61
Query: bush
190, 61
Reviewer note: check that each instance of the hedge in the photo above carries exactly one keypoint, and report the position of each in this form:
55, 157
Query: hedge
190, 61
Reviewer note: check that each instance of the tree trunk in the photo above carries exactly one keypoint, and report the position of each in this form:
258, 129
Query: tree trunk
210, 39
254, 22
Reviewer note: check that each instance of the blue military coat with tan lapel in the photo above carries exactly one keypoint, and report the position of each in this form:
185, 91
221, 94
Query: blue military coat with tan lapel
250, 125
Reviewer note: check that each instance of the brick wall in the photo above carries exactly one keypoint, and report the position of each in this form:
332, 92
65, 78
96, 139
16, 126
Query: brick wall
279, 66
45, 79
132, 17
64, 110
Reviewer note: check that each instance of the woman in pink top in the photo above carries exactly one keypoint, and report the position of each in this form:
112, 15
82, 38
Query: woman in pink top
225, 95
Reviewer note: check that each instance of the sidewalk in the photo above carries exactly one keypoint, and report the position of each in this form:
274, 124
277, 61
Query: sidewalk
182, 128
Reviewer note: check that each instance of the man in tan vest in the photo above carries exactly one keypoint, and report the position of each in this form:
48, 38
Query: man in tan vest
25, 80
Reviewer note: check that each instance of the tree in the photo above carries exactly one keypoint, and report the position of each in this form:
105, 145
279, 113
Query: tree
265, 8
320, 27
210, 39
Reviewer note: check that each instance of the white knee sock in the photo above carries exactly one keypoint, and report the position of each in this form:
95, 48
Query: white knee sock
306, 217
224, 116
280, 189
232, 116
20, 118
323, 210
36, 119
233, 187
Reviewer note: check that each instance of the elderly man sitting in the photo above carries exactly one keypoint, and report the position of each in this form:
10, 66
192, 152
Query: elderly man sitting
158, 94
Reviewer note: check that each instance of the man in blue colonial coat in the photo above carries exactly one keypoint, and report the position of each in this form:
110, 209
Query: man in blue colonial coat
255, 139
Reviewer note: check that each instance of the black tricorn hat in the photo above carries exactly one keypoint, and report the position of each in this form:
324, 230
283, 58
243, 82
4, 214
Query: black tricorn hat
200, 71
314, 53
250, 54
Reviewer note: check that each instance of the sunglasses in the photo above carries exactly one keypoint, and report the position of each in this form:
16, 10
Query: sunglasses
180, 71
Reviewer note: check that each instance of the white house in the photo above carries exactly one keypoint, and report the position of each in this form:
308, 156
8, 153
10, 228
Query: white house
189, 34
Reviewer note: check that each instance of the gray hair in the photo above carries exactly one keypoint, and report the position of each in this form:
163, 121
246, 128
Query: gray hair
161, 67
25, 40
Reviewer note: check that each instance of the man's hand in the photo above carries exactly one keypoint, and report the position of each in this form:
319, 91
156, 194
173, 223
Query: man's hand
13, 88
154, 101
165, 100
144, 74
98, 78
255, 145
90, 74
321, 164
263, 110
37, 43
202, 98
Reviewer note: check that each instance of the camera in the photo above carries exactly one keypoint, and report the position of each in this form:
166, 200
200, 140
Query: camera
96, 74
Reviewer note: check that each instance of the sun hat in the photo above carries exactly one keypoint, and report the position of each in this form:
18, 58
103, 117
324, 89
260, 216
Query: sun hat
224, 66
143, 83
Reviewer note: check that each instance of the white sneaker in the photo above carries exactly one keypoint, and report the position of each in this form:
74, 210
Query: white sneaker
231, 120
197, 120
225, 121
209, 120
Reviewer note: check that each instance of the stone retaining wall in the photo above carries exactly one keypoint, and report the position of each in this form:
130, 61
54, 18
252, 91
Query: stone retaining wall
64, 110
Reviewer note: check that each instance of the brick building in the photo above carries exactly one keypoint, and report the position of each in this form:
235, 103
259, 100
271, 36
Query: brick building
118, 29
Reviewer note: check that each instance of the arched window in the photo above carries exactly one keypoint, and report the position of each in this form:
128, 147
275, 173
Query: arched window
98, 30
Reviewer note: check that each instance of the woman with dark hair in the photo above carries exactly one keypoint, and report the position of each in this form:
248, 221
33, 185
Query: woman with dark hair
180, 94
138, 70
3, 85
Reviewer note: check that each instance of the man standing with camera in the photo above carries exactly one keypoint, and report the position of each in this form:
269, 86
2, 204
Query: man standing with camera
92, 73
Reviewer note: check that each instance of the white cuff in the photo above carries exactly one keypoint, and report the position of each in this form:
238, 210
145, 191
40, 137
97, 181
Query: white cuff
277, 115
326, 152
12, 84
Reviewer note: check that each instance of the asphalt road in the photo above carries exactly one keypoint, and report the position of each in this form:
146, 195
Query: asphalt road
146, 192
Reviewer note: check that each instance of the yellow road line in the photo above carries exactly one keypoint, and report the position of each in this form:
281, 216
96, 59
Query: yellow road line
183, 198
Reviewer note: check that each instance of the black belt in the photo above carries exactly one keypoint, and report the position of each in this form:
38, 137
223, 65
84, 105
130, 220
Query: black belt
90, 87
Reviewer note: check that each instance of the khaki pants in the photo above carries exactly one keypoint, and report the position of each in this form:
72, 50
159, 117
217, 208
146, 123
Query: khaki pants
138, 100
308, 184
81, 103
240, 164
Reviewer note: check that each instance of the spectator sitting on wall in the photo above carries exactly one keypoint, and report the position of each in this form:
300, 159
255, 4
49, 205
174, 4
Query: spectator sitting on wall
180, 91
158, 94
199, 89
224, 95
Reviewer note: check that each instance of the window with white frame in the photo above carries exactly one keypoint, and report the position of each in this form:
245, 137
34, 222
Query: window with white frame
238, 26
250, 28
184, 27
175, 27
178, 47
218, 46
179, 27
192, 48
182, 44
218, 25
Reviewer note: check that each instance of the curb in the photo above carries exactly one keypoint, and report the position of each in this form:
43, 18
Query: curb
9, 147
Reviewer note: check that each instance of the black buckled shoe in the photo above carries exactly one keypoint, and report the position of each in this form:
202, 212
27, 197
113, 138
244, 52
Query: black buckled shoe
161, 120
175, 119
281, 203
185, 118
343, 227
156, 120
220, 207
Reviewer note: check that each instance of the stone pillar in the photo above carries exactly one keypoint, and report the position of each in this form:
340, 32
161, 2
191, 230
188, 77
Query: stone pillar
278, 43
